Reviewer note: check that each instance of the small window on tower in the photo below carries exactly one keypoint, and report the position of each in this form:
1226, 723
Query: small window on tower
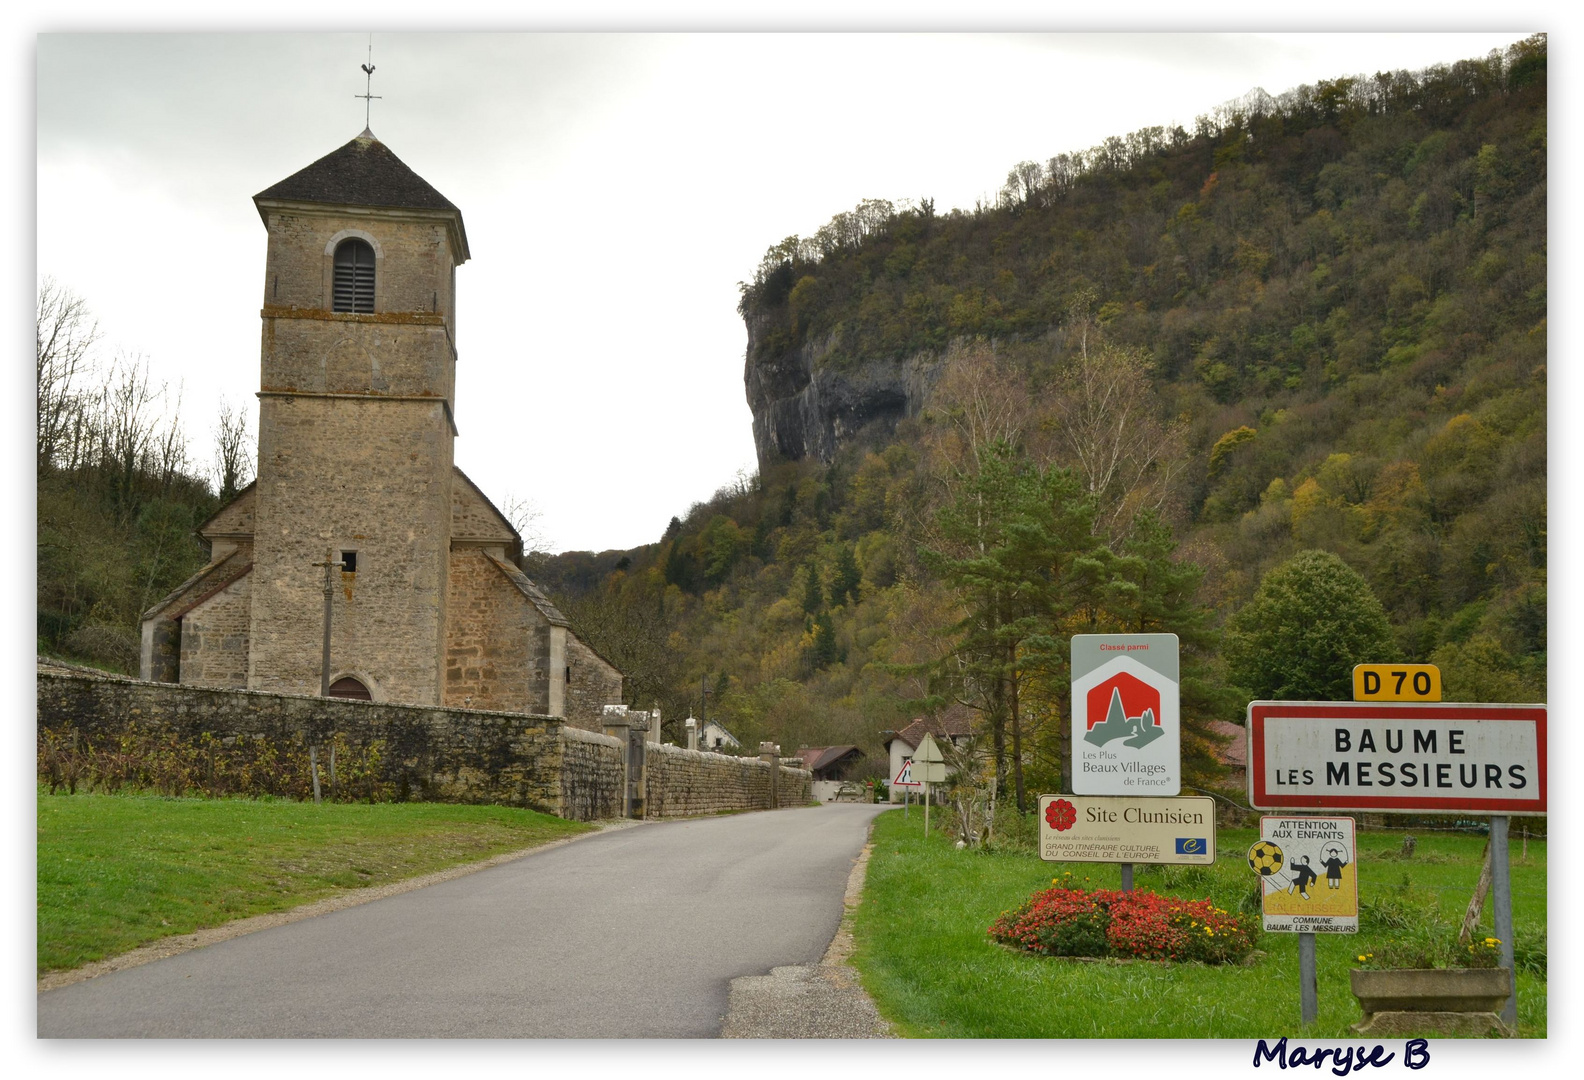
354, 276
349, 562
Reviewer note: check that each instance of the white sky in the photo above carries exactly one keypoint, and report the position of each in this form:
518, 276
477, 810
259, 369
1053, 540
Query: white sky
615, 188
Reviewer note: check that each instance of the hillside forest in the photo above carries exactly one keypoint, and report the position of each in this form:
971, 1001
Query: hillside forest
1276, 384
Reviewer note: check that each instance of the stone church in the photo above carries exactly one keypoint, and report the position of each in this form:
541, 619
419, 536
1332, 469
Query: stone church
356, 429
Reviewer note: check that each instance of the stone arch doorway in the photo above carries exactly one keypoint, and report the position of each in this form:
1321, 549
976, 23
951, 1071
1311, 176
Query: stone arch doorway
348, 687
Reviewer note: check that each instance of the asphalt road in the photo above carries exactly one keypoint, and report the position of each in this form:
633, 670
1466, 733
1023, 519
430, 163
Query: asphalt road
633, 933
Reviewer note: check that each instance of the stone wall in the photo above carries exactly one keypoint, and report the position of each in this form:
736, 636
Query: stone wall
432, 754
683, 783
591, 775
429, 753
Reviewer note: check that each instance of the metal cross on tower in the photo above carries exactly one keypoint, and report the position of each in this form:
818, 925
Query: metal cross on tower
368, 84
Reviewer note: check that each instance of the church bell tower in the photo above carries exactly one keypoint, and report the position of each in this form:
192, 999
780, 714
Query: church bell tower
356, 379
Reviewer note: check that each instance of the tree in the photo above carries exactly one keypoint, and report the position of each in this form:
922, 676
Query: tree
847, 581
813, 595
1017, 547
1312, 618
233, 462
65, 332
1106, 419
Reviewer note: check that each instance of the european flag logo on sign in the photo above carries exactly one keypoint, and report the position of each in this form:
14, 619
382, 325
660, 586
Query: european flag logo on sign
1192, 845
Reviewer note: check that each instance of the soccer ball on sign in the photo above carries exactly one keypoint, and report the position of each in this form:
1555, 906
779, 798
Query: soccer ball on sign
1265, 858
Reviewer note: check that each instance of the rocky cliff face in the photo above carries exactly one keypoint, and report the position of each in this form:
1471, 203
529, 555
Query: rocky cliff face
803, 408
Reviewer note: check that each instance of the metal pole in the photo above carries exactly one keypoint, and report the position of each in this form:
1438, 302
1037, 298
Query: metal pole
1127, 877
1501, 902
1308, 990
313, 767
926, 807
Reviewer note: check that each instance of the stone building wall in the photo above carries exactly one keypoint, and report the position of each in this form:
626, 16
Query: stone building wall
489, 633
684, 783
591, 684
368, 475
214, 638
413, 259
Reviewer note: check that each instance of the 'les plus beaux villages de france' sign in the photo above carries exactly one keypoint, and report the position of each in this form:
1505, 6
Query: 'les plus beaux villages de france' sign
1125, 727
1387, 756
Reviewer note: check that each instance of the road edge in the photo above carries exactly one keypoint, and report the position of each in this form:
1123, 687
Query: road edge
214, 935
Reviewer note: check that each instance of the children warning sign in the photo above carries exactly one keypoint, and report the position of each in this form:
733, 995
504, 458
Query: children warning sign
1308, 874
1124, 715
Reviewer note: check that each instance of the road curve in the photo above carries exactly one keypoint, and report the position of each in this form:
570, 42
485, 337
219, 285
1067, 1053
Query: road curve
634, 933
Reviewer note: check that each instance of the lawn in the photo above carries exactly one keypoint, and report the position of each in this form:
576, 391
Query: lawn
118, 871
923, 953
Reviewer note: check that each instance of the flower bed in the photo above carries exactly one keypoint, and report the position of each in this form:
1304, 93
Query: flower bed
1062, 921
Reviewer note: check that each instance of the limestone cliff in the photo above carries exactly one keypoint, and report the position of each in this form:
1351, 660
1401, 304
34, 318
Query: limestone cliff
803, 407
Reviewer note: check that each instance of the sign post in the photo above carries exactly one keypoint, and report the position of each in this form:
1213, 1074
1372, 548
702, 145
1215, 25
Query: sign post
1406, 757
904, 780
929, 766
1291, 857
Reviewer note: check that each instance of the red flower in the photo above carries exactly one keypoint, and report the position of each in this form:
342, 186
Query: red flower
1061, 815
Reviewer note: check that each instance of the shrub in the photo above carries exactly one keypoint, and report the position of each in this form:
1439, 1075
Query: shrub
165, 762
1140, 924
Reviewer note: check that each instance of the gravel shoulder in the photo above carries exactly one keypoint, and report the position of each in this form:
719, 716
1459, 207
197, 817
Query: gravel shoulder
811, 1001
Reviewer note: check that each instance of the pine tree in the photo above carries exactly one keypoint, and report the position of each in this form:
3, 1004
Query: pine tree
846, 583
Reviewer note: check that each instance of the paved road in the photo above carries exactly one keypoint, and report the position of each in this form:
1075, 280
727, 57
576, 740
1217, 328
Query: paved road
631, 933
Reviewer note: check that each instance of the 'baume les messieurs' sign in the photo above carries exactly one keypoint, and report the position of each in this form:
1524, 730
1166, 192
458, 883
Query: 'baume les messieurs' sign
1397, 757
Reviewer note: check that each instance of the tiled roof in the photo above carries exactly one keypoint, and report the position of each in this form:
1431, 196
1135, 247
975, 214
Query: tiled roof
945, 727
364, 172
822, 757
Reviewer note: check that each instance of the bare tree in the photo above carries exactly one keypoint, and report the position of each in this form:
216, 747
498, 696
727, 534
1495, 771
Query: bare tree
65, 332
525, 517
978, 402
233, 461
1109, 429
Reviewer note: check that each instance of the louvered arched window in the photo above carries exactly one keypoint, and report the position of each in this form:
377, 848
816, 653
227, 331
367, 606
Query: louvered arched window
354, 276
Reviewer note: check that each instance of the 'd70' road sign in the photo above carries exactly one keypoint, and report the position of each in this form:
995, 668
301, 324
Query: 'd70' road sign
1385, 756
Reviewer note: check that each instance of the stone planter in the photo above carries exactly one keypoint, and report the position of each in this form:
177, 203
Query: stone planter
1447, 1001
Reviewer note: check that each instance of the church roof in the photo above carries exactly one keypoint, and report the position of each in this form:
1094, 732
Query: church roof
364, 172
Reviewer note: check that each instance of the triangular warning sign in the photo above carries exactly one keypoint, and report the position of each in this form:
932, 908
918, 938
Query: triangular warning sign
905, 777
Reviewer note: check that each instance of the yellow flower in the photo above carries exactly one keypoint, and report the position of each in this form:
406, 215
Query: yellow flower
1361, 959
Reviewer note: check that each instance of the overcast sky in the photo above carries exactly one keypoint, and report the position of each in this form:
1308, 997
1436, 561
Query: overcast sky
616, 188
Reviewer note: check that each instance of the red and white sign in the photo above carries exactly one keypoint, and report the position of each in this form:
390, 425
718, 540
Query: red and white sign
905, 777
1385, 756
1125, 738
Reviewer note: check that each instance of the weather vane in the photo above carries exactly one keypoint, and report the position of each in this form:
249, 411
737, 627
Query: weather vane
368, 84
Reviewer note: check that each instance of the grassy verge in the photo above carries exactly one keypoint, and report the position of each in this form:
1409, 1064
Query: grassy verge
116, 871
923, 953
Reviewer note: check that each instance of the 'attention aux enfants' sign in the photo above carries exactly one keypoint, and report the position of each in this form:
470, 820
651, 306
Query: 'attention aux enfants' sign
1361, 755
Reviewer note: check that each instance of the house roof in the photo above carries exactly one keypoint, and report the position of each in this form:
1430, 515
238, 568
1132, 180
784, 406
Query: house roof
364, 172
1234, 751
823, 757
946, 727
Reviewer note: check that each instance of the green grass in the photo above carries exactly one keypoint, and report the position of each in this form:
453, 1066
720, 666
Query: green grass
117, 871
923, 953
